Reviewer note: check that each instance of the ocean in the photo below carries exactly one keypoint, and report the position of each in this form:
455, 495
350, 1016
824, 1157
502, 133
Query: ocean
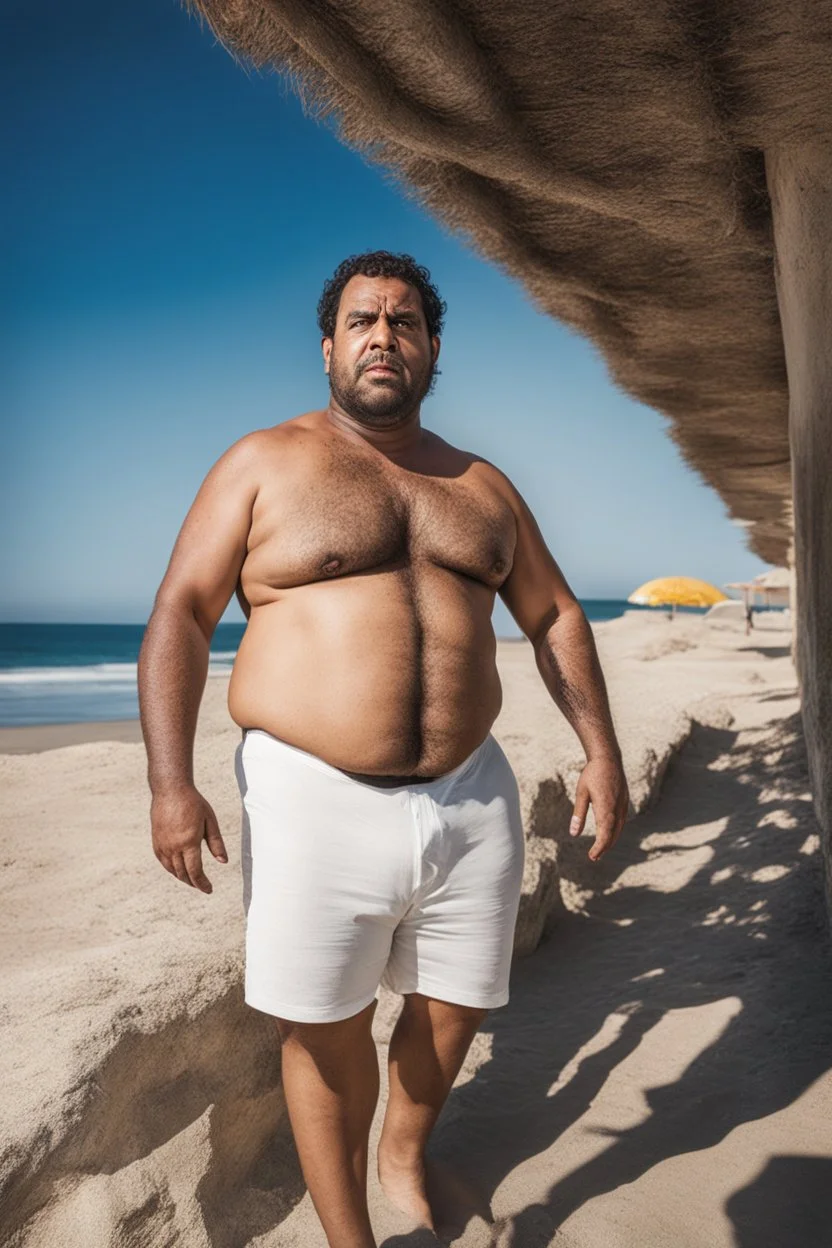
72, 673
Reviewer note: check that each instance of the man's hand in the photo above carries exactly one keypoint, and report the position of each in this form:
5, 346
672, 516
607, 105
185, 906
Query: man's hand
181, 820
602, 782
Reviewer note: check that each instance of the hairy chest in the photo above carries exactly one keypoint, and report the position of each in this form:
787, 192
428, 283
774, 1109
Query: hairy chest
353, 518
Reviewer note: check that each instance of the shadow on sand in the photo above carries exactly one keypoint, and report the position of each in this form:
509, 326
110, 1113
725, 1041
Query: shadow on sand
749, 925
768, 652
789, 1203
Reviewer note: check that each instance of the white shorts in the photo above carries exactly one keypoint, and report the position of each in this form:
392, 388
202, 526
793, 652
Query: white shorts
348, 885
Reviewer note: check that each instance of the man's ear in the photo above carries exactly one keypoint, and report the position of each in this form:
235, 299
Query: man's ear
435, 344
326, 348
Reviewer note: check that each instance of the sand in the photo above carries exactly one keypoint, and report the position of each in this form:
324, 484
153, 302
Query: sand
35, 738
660, 1075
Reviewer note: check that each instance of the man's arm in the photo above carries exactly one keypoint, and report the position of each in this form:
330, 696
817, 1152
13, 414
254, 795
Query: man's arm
173, 662
539, 599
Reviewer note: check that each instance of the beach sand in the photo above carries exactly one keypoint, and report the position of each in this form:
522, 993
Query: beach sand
35, 738
661, 1075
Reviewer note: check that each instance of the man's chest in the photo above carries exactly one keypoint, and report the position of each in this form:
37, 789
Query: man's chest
351, 519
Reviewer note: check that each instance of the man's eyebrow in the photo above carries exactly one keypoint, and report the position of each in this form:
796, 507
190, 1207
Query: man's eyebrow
370, 313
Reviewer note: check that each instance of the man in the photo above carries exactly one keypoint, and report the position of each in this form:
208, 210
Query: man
382, 837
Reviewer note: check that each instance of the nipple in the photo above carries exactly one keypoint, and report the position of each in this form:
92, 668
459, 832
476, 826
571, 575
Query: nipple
331, 565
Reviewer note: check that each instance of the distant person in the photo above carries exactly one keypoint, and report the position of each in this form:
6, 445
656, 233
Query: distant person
382, 839
749, 616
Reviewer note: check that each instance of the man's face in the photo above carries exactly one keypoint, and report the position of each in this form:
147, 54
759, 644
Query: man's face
381, 360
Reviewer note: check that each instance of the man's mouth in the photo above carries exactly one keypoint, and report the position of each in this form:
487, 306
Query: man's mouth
383, 369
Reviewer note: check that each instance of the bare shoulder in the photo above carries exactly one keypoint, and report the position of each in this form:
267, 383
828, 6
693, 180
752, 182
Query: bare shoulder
452, 458
263, 449
496, 478
491, 478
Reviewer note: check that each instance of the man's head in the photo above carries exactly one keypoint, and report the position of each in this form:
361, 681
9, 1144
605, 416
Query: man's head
380, 318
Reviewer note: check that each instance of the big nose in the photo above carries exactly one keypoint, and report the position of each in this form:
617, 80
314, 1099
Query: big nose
382, 337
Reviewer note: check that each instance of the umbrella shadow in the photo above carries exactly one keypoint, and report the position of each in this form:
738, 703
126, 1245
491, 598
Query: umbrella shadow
767, 652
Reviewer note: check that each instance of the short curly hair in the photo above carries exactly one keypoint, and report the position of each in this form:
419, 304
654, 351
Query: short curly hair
381, 264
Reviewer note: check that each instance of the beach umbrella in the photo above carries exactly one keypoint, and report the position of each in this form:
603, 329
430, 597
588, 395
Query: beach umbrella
773, 586
676, 591
775, 578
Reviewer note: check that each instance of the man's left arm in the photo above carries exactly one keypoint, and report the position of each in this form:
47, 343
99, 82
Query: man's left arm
539, 599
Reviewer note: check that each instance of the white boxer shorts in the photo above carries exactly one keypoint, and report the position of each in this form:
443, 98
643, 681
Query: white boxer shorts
348, 885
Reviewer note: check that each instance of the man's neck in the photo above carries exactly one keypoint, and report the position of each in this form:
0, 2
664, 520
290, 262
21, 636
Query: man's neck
394, 440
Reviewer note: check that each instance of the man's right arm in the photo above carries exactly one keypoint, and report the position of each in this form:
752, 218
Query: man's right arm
173, 663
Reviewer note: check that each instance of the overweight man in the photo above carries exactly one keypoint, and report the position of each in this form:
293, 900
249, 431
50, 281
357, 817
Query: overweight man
382, 840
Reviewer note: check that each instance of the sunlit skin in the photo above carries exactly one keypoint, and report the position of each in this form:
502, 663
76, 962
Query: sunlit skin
366, 552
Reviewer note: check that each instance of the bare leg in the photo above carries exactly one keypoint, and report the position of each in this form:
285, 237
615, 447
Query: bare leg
426, 1051
331, 1081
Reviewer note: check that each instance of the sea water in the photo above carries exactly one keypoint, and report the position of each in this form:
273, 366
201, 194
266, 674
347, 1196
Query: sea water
71, 673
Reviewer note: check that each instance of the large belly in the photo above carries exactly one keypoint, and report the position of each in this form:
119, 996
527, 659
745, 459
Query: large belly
387, 673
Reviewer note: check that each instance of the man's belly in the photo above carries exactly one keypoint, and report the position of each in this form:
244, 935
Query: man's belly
381, 674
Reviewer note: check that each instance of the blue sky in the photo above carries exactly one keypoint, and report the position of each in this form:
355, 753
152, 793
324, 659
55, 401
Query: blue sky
169, 222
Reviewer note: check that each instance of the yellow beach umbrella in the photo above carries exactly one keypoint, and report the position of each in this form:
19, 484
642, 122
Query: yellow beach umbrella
676, 591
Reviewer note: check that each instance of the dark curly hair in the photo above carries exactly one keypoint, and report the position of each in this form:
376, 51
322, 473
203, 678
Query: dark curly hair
381, 264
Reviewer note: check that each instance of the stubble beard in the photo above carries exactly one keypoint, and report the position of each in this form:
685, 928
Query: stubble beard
379, 405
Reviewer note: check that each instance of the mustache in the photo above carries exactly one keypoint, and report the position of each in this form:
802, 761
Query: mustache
380, 359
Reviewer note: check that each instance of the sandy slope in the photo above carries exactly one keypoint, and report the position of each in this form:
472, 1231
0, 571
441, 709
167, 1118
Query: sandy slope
666, 1055
659, 1074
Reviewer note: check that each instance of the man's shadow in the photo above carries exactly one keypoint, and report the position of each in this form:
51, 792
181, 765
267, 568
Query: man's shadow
750, 925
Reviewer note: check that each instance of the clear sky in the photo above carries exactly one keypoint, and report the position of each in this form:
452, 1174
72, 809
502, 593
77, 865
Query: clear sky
168, 223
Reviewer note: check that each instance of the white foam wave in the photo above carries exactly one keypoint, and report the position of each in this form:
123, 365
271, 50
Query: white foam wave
98, 673
91, 673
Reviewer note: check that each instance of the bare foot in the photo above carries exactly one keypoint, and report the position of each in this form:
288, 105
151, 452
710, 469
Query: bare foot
403, 1183
454, 1200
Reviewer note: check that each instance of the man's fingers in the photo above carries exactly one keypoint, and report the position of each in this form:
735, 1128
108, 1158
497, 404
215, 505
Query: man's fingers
177, 866
181, 820
193, 863
213, 838
579, 814
187, 867
606, 835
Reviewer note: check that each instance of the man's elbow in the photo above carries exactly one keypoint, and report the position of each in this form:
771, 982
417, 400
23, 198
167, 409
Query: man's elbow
181, 608
556, 614
538, 634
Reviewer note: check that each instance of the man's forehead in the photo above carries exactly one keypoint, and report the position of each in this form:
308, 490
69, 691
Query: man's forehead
376, 292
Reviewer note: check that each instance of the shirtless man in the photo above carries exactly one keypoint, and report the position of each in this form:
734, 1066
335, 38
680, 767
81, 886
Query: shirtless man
381, 837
